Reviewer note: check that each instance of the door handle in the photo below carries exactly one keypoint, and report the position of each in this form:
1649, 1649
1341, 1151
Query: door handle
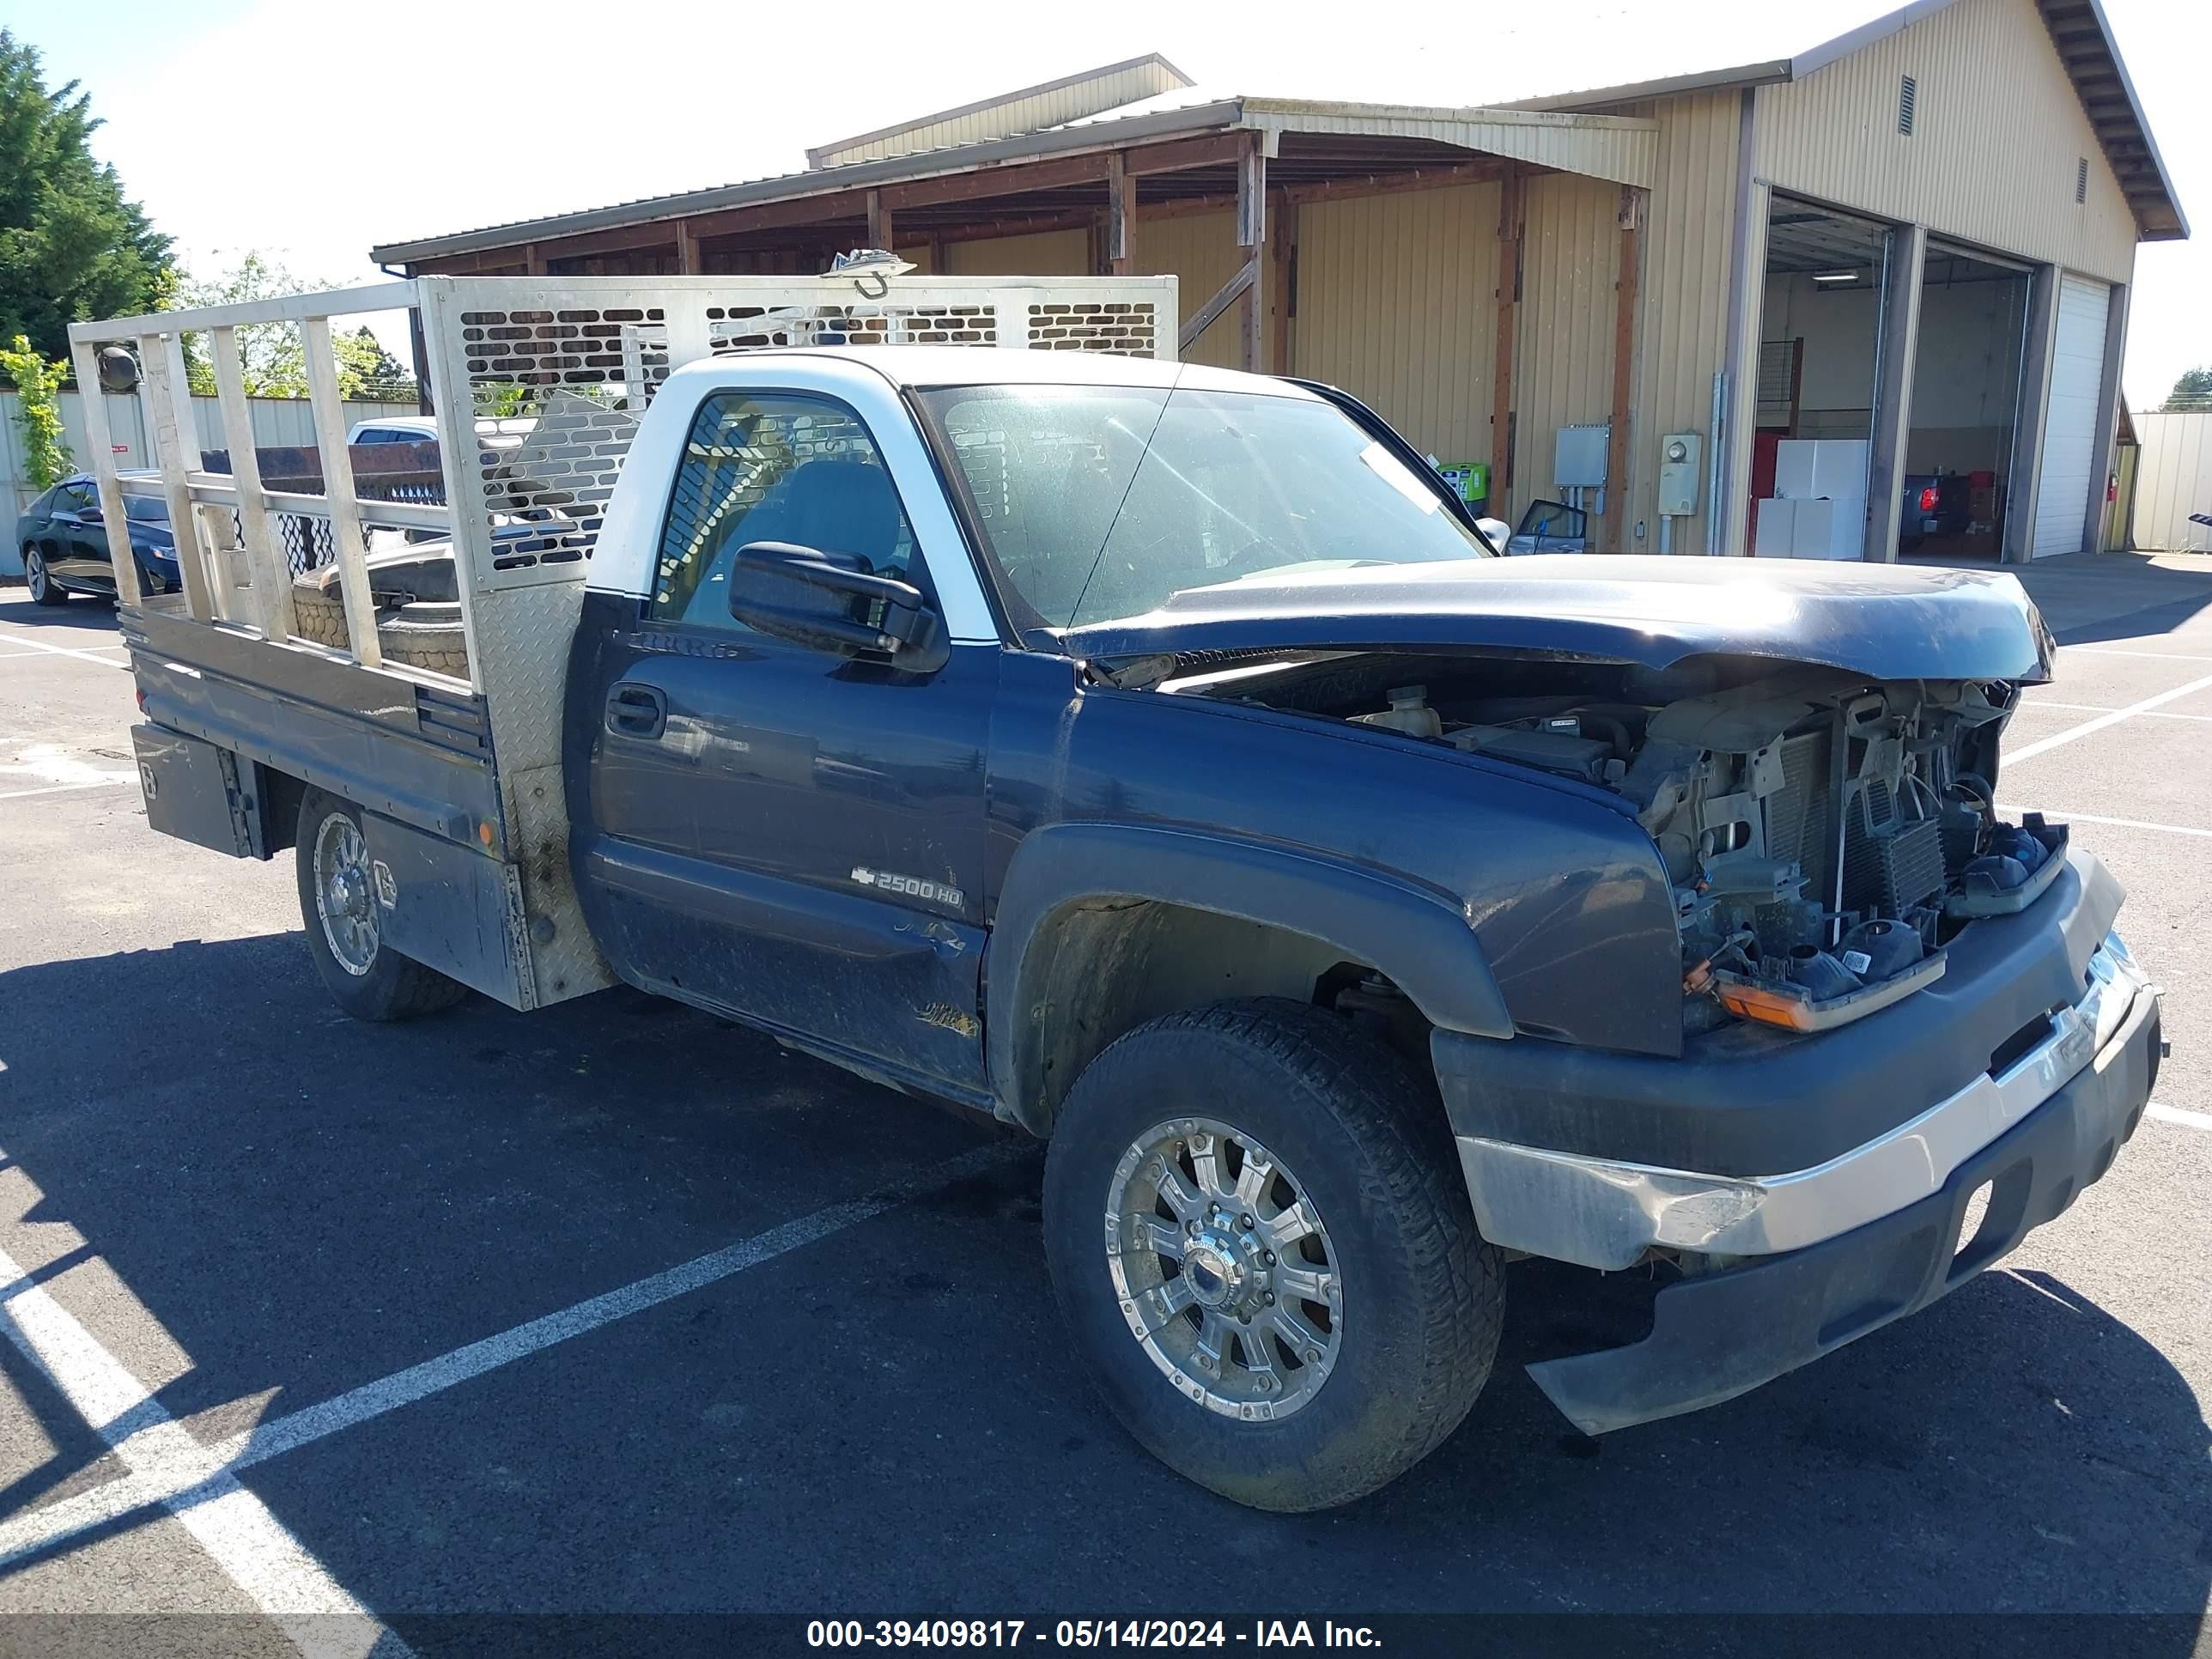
637, 711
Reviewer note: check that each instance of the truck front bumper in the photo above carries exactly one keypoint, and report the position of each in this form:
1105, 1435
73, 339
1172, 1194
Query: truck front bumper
1830, 1252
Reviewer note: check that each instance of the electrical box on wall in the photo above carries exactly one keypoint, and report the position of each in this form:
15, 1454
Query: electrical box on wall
1681, 469
1578, 456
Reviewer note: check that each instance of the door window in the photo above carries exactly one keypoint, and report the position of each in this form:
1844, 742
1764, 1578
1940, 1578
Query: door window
774, 467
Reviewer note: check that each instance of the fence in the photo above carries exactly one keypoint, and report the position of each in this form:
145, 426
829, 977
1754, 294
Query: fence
2172, 480
279, 422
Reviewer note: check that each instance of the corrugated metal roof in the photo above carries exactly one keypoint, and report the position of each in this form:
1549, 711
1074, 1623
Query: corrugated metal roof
1770, 39
1609, 146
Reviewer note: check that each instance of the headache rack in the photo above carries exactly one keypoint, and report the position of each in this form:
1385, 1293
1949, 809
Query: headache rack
538, 383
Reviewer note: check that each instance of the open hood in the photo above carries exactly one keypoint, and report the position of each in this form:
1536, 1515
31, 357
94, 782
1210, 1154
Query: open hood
1882, 621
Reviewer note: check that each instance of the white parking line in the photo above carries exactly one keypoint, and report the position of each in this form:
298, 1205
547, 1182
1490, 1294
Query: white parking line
184, 1478
2061, 814
62, 788
67, 651
2106, 708
2044, 745
2187, 1120
230, 1524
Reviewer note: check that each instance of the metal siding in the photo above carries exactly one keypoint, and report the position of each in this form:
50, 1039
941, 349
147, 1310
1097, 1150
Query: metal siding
1563, 360
1397, 304
1682, 323
2173, 479
1998, 130
1039, 253
1200, 250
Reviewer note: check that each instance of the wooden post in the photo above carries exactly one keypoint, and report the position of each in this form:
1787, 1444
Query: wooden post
688, 263
1120, 214
1251, 241
1508, 296
1625, 282
533, 262
1283, 291
880, 221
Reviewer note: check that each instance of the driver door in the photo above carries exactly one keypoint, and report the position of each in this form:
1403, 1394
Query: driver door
775, 830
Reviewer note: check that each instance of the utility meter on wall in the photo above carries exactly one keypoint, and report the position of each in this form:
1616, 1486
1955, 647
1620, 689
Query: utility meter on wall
1680, 455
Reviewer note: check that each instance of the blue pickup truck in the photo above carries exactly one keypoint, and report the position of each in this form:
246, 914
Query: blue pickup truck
1159, 759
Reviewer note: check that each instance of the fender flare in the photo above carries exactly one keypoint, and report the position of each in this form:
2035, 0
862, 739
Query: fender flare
1417, 934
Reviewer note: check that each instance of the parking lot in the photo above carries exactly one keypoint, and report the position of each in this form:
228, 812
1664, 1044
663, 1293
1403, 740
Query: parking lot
618, 1311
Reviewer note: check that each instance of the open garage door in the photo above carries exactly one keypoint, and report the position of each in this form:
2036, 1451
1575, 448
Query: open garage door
2069, 425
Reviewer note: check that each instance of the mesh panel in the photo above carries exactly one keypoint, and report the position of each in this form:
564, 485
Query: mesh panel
744, 328
549, 390
1121, 327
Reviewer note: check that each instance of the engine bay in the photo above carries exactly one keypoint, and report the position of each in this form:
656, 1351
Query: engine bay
1824, 837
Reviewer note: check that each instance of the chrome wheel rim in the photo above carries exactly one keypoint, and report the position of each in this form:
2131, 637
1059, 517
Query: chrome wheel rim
35, 573
1224, 1269
345, 901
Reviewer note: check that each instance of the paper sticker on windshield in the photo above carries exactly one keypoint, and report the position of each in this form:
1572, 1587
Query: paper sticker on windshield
1400, 476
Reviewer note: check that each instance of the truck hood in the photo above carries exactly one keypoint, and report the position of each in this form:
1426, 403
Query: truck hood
1883, 622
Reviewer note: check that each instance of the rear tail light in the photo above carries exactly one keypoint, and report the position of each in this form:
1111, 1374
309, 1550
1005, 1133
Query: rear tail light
141, 700
1927, 499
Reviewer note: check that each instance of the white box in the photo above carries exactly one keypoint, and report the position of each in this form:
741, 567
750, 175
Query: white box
1806, 468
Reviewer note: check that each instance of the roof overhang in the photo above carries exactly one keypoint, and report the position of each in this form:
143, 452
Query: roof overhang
2079, 31
1619, 148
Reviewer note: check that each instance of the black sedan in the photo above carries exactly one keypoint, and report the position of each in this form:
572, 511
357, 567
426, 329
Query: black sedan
64, 544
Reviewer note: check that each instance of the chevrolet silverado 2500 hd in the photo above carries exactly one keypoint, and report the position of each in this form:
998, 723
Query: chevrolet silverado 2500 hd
1158, 758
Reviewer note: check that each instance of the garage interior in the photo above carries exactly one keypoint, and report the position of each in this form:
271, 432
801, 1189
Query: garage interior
1819, 361
1826, 320
1964, 411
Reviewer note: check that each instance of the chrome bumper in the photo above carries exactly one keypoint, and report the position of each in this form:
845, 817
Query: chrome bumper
1604, 1214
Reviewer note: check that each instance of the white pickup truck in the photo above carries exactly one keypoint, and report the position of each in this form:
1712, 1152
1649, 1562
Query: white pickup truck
1160, 759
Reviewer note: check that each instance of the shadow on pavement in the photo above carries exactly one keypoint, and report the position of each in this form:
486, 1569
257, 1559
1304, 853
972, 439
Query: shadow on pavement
891, 1420
80, 614
2090, 598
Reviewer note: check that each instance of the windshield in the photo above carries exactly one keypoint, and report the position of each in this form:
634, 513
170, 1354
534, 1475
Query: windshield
145, 509
1099, 502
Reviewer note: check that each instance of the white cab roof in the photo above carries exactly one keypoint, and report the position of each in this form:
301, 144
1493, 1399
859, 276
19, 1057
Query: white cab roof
948, 365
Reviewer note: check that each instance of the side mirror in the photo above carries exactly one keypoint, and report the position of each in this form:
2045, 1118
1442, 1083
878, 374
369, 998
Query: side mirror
829, 602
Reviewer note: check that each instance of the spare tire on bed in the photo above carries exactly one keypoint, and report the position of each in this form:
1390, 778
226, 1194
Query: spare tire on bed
418, 613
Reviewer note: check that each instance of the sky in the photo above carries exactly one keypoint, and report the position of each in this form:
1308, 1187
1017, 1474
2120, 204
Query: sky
311, 131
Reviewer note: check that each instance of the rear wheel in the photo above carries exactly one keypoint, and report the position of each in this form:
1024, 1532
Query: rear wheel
1257, 1231
339, 906
45, 590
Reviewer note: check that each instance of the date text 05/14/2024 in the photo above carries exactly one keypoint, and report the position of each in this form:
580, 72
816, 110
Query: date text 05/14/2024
1086, 1633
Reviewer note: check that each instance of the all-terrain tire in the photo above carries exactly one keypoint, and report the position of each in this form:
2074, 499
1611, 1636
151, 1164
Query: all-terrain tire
425, 635
392, 987
1422, 1293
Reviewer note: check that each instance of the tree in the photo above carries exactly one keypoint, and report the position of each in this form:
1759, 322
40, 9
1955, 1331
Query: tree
39, 412
376, 372
2192, 391
272, 356
72, 247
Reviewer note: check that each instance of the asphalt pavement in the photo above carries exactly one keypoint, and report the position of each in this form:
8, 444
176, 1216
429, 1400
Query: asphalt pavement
352, 1335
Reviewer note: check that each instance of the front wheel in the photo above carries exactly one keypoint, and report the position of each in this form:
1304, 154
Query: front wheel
338, 903
45, 590
1254, 1222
